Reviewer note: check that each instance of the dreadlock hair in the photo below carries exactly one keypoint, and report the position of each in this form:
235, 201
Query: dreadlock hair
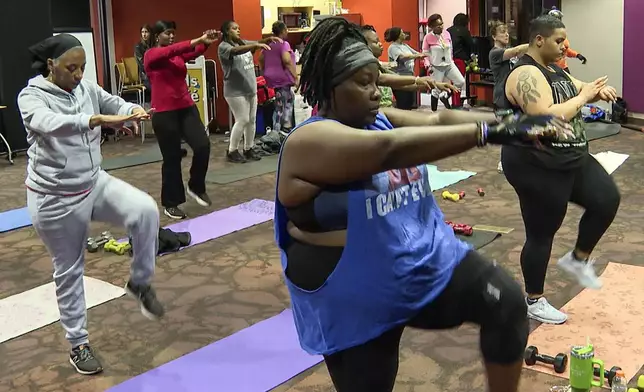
323, 46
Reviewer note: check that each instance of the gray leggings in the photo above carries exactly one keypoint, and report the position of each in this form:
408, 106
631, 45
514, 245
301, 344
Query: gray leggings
62, 222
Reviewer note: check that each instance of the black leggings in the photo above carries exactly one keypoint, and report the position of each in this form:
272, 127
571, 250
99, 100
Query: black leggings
544, 195
479, 292
170, 127
405, 100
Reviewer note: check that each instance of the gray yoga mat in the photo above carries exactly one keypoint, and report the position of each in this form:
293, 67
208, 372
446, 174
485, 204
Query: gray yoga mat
242, 171
480, 238
148, 155
599, 130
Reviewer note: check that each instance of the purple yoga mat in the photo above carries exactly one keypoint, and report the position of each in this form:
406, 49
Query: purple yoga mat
220, 223
223, 222
255, 359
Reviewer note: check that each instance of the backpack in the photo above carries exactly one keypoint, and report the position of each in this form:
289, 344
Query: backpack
264, 93
620, 111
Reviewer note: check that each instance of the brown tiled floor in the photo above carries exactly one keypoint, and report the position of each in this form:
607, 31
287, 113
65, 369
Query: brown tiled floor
217, 288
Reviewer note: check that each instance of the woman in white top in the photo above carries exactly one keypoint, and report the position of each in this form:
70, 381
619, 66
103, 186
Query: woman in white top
404, 56
437, 47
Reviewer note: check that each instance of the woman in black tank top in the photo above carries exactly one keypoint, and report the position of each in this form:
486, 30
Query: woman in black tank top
558, 171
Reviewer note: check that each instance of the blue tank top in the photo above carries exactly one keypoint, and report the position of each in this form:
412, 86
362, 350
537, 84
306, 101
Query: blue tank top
399, 256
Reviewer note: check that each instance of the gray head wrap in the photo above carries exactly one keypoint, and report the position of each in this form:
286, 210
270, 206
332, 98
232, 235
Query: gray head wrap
354, 55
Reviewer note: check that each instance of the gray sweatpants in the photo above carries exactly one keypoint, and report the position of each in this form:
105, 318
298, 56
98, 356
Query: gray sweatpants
449, 73
62, 222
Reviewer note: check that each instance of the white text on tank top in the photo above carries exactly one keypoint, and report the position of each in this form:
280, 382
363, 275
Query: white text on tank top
404, 187
564, 90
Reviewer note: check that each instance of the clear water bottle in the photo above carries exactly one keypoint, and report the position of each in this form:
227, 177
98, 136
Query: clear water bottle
619, 382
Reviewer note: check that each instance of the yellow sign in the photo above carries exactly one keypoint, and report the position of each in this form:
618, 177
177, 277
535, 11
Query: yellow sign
197, 88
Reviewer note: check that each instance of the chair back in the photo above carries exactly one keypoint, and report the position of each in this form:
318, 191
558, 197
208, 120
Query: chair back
132, 70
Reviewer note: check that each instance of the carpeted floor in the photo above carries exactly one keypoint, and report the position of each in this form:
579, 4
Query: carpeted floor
217, 288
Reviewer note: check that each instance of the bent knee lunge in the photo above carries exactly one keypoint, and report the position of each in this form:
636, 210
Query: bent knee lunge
504, 328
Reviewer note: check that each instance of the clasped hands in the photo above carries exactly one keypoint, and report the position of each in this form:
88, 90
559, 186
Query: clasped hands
209, 36
118, 121
534, 128
426, 83
599, 89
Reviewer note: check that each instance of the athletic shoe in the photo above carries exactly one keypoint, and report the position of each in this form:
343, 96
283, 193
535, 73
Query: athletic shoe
544, 312
83, 360
252, 155
235, 157
174, 213
147, 298
201, 198
582, 270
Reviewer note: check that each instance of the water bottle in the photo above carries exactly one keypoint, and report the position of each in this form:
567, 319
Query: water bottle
619, 382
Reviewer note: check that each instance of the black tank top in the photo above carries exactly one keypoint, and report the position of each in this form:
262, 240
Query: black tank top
556, 154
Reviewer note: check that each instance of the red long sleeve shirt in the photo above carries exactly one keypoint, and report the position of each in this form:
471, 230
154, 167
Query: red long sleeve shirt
166, 70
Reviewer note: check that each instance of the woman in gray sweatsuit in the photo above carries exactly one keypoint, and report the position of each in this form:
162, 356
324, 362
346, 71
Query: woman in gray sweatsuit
66, 187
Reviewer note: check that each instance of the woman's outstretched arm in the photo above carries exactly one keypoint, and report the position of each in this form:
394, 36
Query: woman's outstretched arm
408, 118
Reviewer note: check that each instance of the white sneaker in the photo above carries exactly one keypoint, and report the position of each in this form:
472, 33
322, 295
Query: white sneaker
499, 167
582, 270
544, 312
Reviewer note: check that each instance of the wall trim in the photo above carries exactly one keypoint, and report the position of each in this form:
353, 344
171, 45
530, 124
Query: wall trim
109, 21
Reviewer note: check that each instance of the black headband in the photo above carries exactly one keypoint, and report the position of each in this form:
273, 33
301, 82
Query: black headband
51, 48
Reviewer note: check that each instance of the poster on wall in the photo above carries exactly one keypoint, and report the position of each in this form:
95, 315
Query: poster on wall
86, 38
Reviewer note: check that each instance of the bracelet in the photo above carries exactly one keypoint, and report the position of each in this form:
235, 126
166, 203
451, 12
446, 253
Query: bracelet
481, 139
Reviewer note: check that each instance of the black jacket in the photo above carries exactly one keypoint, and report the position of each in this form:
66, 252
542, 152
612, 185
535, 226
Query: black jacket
139, 52
462, 42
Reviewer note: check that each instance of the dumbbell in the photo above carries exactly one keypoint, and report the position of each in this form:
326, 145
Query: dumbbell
93, 244
532, 356
608, 374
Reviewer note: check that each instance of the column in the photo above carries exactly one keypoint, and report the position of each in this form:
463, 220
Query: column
22, 24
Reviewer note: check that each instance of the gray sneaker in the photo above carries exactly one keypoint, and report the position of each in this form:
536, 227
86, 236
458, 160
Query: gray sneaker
83, 360
543, 312
583, 271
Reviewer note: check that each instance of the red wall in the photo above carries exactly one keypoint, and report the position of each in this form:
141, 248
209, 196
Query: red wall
404, 14
193, 17
383, 14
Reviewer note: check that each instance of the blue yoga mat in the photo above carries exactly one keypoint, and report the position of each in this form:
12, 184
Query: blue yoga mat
14, 219
255, 359
439, 179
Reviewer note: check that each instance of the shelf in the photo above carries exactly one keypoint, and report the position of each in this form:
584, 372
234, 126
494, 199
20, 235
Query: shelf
273, 9
291, 31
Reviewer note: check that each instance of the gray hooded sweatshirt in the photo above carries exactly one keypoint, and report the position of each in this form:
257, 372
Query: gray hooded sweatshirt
64, 152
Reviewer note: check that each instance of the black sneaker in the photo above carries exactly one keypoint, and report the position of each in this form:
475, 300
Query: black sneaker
175, 213
201, 198
235, 157
147, 298
252, 155
83, 360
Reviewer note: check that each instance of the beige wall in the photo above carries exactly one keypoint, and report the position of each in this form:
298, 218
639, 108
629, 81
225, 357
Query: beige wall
596, 30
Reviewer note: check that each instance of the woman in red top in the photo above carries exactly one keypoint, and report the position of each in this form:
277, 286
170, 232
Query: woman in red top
176, 116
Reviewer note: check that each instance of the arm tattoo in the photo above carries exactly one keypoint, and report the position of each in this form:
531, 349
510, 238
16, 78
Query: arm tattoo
527, 89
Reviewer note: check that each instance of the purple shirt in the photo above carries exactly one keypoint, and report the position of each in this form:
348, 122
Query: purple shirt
275, 73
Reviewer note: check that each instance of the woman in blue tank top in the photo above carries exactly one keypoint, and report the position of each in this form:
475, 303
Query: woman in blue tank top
365, 248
